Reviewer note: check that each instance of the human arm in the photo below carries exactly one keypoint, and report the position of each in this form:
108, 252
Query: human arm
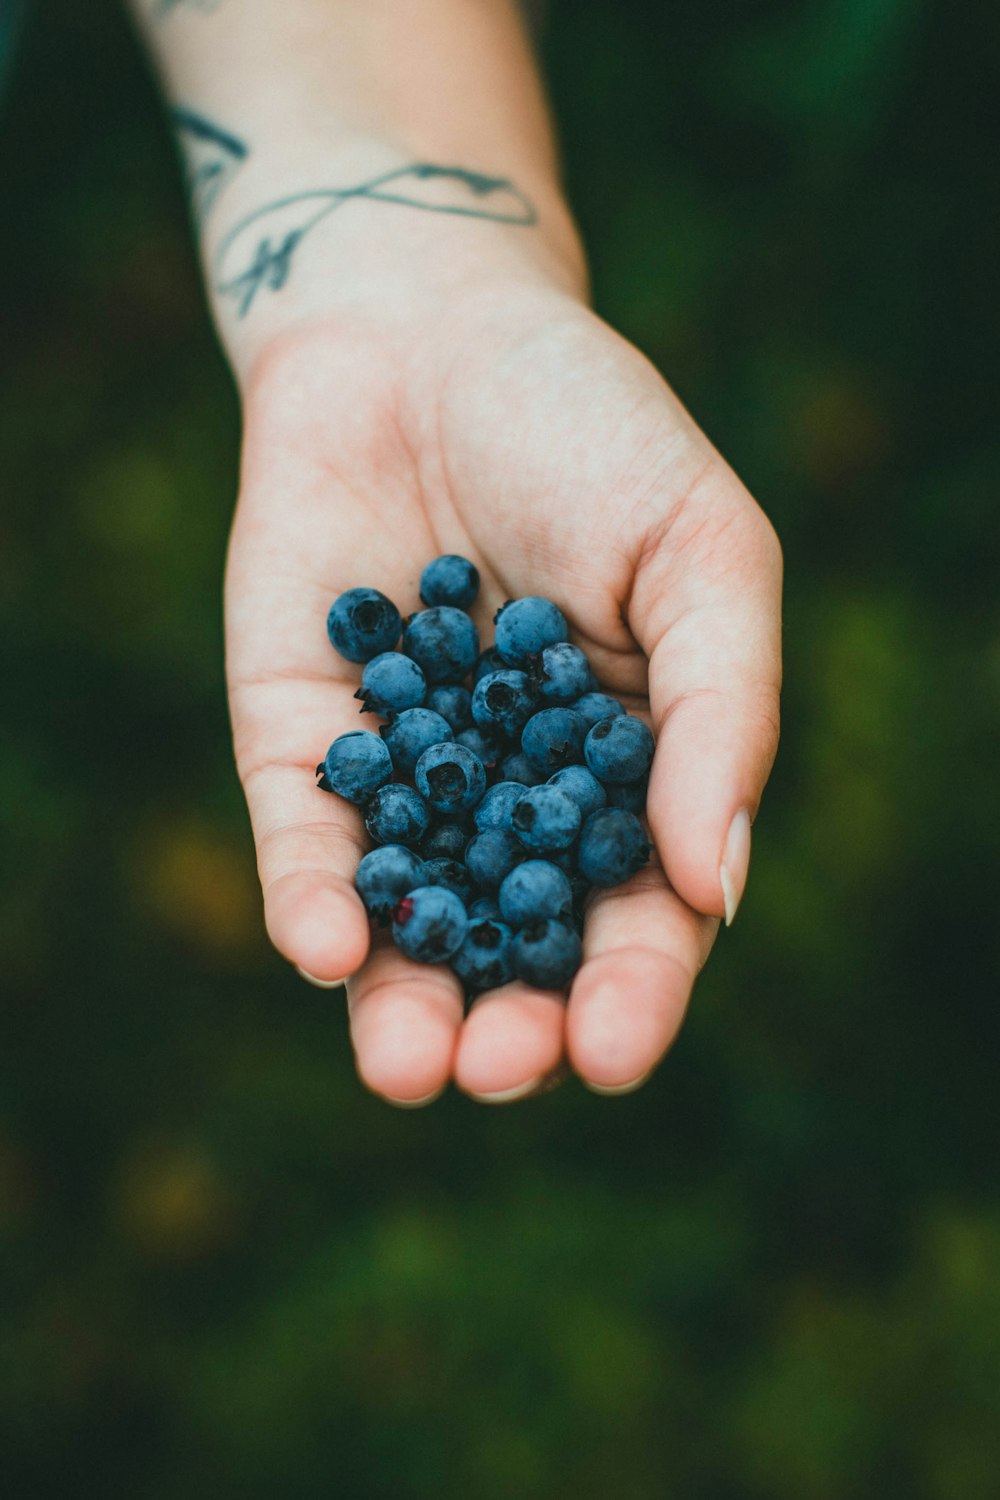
420, 373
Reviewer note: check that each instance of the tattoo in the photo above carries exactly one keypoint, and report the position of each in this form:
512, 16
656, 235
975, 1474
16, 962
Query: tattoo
257, 252
212, 155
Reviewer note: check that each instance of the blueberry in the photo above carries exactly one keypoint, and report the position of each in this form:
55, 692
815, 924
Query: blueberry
397, 815
553, 738
491, 856
390, 683
411, 733
451, 874
489, 660
443, 641
561, 673
629, 794
619, 749
485, 959
449, 580
429, 924
498, 801
535, 889
356, 765
547, 954
526, 626
613, 845
503, 701
362, 623
565, 859
583, 786
517, 767
450, 777
483, 907
488, 747
452, 703
384, 876
593, 707
446, 840
545, 818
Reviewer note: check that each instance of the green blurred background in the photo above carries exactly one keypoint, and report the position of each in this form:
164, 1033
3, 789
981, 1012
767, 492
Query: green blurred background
771, 1273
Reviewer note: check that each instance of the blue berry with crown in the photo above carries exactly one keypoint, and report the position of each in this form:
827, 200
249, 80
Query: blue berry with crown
412, 732
620, 749
536, 888
547, 953
390, 683
429, 924
355, 766
545, 818
443, 641
397, 814
362, 623
485, 960
384, 876
524, 627
450, 778
553, 738
561, 674
503, 701
613, 846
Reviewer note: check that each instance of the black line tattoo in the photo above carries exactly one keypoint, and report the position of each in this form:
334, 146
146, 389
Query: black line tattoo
212, 156
277, 230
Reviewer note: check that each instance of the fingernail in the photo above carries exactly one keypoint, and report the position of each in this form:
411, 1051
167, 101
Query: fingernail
506, 1096
415, 1103
735, 863
321, 984
613, 1089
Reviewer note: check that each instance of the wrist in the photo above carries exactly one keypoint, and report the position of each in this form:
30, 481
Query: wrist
370, 235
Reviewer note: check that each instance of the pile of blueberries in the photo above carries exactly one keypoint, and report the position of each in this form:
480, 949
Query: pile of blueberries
501, 788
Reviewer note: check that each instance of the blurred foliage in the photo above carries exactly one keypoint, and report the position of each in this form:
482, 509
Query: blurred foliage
771, 1273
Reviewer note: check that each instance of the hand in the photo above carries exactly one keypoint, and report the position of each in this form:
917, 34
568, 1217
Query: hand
515, 428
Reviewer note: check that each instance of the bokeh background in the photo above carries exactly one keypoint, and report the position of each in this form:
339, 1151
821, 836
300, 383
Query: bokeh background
771, 1274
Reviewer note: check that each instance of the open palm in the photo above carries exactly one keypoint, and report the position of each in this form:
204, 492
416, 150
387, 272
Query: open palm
530, 438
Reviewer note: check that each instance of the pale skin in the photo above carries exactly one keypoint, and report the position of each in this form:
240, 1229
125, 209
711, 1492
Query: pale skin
425, 382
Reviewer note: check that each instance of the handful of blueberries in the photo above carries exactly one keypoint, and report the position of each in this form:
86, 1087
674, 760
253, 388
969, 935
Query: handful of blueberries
502, 787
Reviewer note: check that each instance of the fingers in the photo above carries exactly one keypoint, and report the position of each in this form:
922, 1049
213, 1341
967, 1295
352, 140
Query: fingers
643, 948
511, 1041
307, 857
309, 843
405, 1020
706, 607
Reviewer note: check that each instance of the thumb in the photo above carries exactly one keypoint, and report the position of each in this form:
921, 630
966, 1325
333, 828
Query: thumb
706, 609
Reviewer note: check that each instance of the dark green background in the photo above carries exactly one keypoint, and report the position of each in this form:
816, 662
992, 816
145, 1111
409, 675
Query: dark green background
224, 1268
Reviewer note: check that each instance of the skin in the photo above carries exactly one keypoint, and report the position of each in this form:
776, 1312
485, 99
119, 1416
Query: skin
384, 453
428, 385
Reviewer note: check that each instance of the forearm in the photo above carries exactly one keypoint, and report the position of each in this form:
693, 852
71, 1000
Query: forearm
341, 150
